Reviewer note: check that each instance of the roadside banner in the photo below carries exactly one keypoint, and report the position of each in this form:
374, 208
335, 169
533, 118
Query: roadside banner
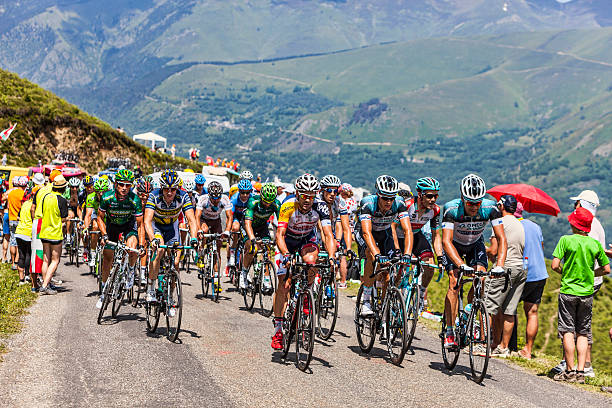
7, 132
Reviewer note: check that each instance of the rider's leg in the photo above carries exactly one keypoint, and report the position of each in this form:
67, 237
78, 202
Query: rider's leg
132, 242
343, 269
233, 243
451, 302
107, 262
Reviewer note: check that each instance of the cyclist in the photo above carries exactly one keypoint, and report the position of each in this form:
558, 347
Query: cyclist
73, 195
239, 204
144, 186
208, 215
91, 213
256, 220
120, 212
161, 221
339, 216
373, 232
88, 183
188, 187
200, 180
463, 222
296, 233
423, 209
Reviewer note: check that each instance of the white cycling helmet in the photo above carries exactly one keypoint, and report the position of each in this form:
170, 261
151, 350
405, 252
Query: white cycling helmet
330, 181
74, 182
246, 175
387, 186
189, 185
473, 188
307, 183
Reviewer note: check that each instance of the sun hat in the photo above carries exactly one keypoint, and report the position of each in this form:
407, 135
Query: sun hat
519, 210
587, 195
59, 182
38, 179
54, 174
581, 219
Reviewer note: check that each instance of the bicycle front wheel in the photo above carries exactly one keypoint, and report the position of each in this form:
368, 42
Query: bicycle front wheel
449, 355
174, 308
327, 307
305, 330
107, 293
395, 324
365, 326
267, 288
479, 338
412, 312
250, 293
75, 244
152, 313
215, 282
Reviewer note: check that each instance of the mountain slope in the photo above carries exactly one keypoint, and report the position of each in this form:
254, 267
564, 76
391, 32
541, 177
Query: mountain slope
48, 124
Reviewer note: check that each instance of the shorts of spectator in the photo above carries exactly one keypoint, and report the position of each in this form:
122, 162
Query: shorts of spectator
12, 228
509, 300
532, 292
575, 313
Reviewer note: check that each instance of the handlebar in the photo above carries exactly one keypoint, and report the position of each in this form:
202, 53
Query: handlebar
122, 245
179, 247
484, 274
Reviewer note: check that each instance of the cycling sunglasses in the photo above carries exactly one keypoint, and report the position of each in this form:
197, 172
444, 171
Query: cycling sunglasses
244, 191
122, 184
387, 199
172, 189
430, 196
473, 203
215, 197
331, 190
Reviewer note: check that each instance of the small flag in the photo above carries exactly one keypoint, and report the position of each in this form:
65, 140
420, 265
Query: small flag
7, 132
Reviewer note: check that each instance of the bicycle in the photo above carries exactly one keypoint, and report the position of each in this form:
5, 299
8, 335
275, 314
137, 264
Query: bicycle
208, 257
234, 271
115, 284
75, 236
472, 325
264, 279
169, 293
326, 300
298, 319
140, 286
389, 317
411, 290
96, 270
189, 256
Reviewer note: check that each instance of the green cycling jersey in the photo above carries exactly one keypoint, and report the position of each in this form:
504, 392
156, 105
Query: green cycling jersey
119, 212
92, 201
259, 214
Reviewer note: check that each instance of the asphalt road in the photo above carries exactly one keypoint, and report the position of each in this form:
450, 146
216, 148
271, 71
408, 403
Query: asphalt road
63, 358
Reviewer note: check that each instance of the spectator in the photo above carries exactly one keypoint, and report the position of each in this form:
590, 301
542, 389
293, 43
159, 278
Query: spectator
54, 214
14, 201
502, 305
173, 150
6, 230
23, 236
4, 159
36, 213
579, 253
536, 279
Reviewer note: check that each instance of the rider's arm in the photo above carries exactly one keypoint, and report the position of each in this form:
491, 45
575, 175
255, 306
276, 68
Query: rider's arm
140, 229
366, 233
148, 223
394, 235
280, 240
248, 227
330, 241
492, 249
191, 221
198, 218
346, 230
100, 221
502, 246
437, 242
408, 238
88, 214
229, 215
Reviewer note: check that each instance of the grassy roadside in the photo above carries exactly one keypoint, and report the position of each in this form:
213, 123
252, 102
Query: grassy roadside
14, 300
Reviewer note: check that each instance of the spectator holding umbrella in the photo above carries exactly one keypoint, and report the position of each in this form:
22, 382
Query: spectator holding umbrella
23, 236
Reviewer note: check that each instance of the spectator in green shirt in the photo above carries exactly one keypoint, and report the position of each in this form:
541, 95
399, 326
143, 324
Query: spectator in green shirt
579, 253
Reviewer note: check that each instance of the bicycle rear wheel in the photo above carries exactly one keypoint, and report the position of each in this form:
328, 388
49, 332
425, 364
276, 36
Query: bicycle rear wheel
364, 326
75, 244
107, 292
412, 312
174, 312
266, 293
215, 282
479, 338
395, 324
327, 307
152, 313
305, 330
250, 293
118, 299
451, 355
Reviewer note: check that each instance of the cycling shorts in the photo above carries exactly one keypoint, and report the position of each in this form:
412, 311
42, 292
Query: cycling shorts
298, 244
114, 230
168, 232
420, 245
238, 217
214, 226
383, 240
73, 209
474, 254
260, 233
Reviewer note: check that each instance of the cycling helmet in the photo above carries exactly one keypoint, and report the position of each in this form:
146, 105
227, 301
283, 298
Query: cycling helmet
245, 185
215, 189
88, 181
124, 176
200, 179
386, 186
169, 179
145, 185
156, 184
405, 194
306, 183
101, 185
268, 192
330, 181
189, 185
74, 182
473, 188
427, 184
246, 175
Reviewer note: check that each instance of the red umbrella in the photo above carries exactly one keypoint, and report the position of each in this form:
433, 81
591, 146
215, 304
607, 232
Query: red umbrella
533, 199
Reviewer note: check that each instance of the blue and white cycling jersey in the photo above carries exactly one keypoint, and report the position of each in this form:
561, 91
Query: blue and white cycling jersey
368, 210
168, 213
239, 205
469, 229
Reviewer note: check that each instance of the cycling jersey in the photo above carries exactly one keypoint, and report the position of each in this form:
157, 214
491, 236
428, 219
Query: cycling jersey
258, 214
210, 211
82, 197
299, 224
239, 206
168, 213
120, 212
368, 210
467, 230
92, 202
418, 221
351, 208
